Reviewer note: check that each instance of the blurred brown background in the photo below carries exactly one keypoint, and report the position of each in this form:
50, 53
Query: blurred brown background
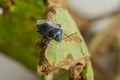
99, 23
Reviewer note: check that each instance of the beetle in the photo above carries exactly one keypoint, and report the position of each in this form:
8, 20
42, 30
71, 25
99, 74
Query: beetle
49, 31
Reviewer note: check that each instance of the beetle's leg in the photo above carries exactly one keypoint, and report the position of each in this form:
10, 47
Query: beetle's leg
40, 43
43, 42
59, 25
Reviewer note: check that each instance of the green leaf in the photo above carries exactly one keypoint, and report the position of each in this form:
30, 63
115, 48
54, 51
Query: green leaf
75, 45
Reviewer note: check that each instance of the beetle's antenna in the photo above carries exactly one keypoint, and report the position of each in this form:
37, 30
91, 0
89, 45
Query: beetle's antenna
68, 36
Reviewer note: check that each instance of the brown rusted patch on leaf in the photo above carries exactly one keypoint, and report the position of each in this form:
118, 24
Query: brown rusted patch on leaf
66, 63
43, 66
72, 37
69, 61
77, 39
51, 3
50, 12
76, 69
51, 6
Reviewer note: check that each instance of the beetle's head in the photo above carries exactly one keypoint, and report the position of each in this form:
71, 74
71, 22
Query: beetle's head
58, 35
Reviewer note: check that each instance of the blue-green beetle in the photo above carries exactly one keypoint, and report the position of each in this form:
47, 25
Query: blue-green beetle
49, 30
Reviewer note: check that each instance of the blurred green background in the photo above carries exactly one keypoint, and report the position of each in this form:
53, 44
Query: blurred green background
18, 34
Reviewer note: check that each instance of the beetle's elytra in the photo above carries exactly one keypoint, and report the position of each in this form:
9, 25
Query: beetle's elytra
50, 30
